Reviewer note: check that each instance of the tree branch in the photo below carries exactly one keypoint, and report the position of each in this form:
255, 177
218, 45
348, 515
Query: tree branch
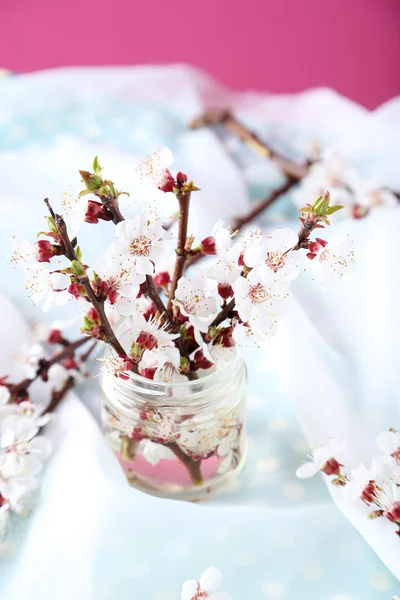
45, 365
224, 117
184, 202
97, 304
240, 222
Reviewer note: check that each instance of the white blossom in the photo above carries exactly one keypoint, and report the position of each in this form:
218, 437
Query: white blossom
332, 173
274, 252
154, 330
359, 479
196, 299
259, 299
319, 457
43, 285
140, 243
156, 165
124, 284
222, 237
166, 362
333, 260
388, 442
206, 588
226, 269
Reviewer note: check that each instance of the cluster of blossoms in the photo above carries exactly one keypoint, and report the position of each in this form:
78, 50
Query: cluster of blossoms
23, 449
180, 325
377, 486
347, 187
205, 589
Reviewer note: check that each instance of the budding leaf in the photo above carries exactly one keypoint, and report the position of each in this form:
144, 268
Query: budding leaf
333, 209
87, 323
92, 181
77, 268
96, 166
95, 276
51, 224
78, 253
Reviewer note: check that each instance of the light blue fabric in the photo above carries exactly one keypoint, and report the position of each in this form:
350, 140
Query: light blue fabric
301, 547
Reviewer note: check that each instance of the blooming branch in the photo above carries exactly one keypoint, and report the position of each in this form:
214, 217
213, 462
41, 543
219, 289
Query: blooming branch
327, 171
377, 486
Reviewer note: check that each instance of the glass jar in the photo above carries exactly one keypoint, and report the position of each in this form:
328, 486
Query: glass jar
177, 440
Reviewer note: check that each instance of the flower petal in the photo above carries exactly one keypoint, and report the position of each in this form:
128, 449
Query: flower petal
307, 470
211, 579
387, 442
189, 589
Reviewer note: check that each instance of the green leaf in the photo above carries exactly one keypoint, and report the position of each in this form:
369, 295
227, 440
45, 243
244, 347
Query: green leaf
78, 253
83, 193
87, 323
95, 276
96, 166
51, 224
77, 268
333, 209
92, 181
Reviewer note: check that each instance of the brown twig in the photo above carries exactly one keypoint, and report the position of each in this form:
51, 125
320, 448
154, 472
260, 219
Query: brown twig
193, 466
224, 313
97, 304
240, 222
44, 365
58, 395
84, 357
184, 202
111, 203
225, 117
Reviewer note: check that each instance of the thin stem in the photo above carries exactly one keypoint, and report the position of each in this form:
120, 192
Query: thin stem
151, 292
224, 313
193, 466
58, 395
184, 202
97, 304
224, 117
45, 365
84, 357
240, 222
112, 204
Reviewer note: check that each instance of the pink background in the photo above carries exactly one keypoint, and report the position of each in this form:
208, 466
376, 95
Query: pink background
276, 45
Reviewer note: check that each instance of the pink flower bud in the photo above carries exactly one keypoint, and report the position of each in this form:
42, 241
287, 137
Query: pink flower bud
241, 259
200, 361
95, 211
331, 467
76, 290
358, 211
181, 179
167, 183
208, 245
94, 316
70, 363
44, 250
225, 290
55, 336
162, 279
